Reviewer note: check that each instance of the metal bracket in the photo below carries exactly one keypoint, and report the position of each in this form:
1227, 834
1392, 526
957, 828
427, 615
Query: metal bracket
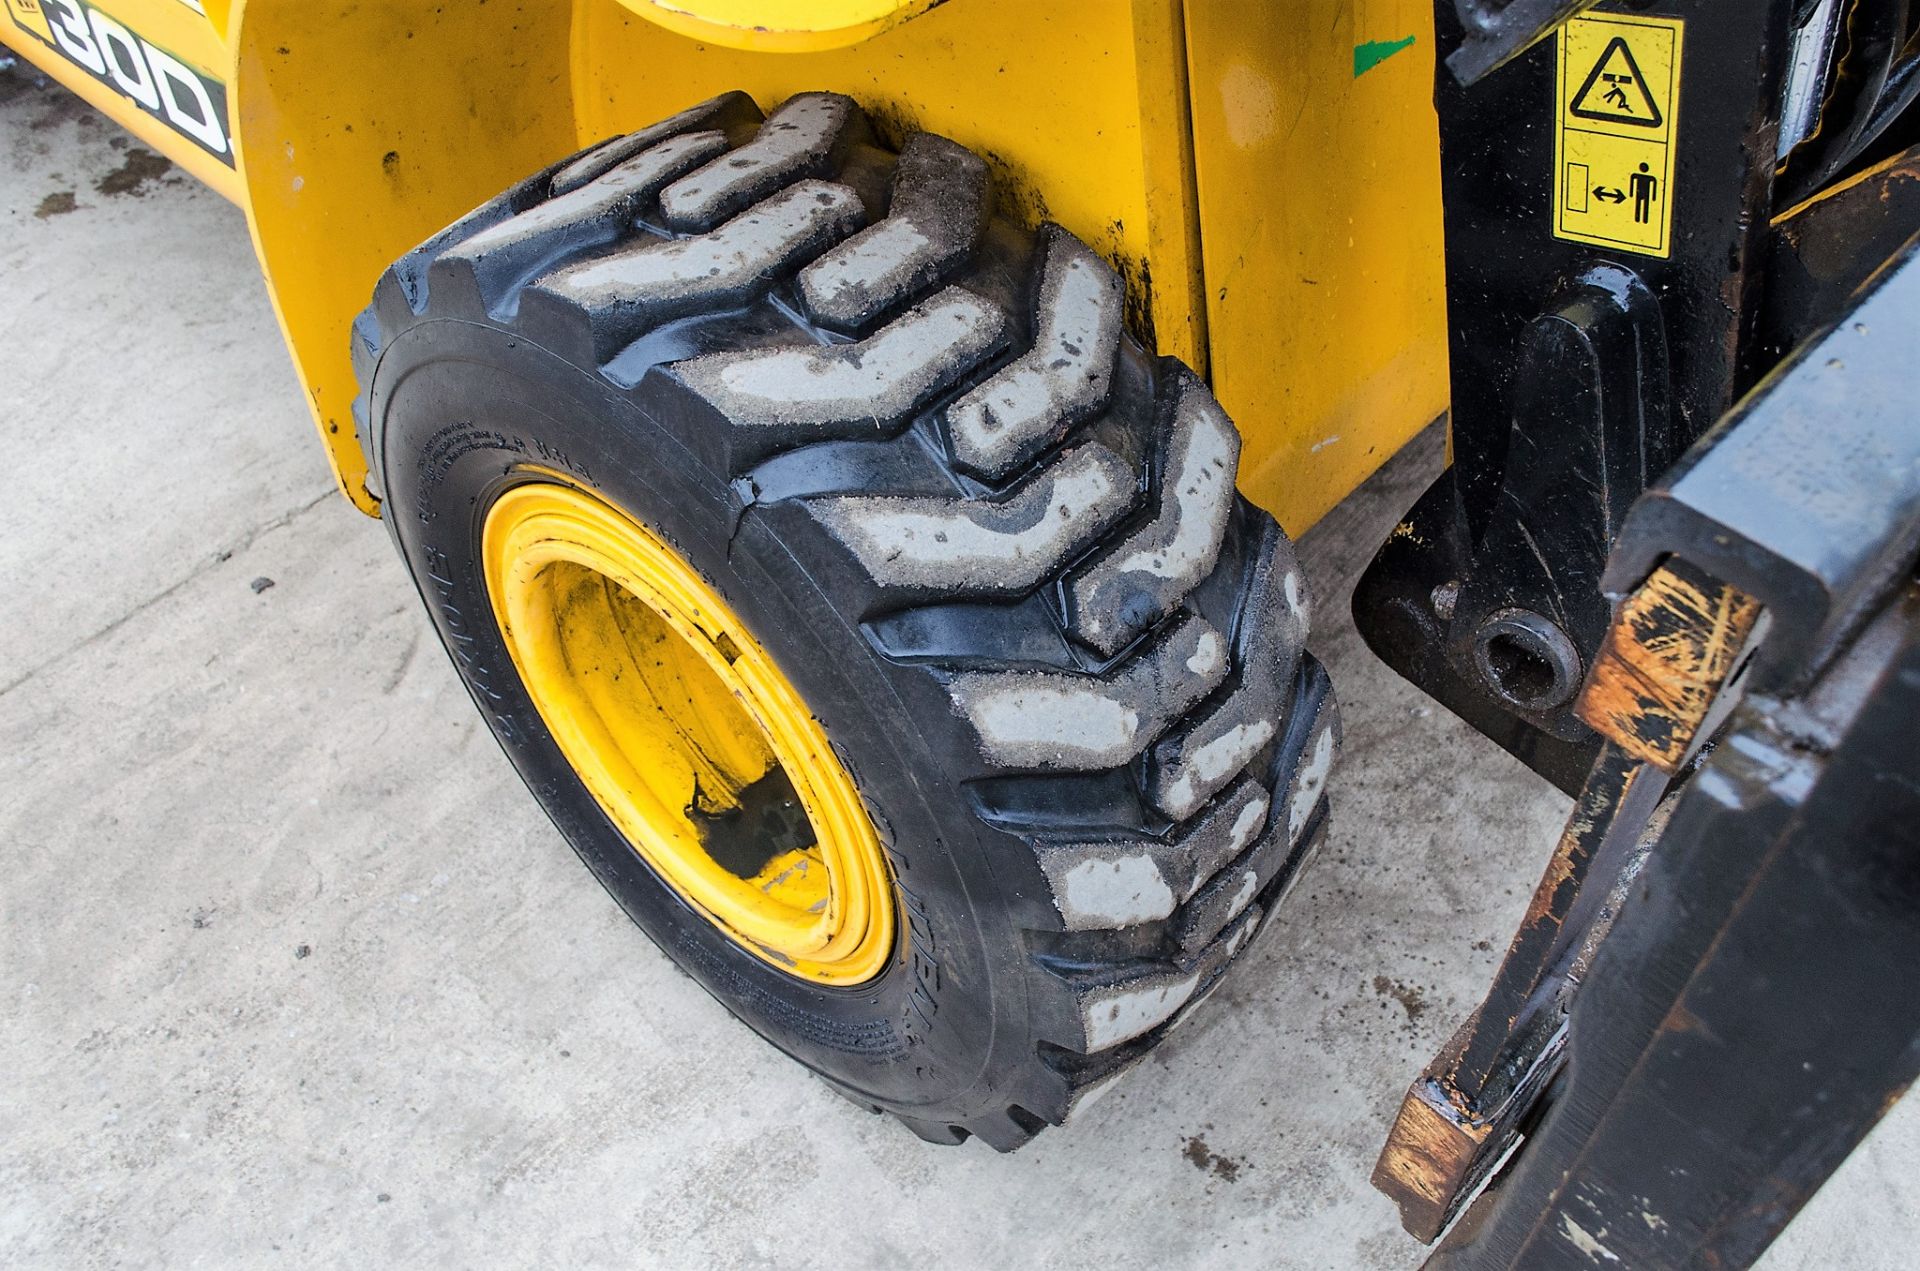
1579, 373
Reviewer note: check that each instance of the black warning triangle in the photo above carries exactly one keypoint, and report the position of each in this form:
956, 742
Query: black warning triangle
1615, 91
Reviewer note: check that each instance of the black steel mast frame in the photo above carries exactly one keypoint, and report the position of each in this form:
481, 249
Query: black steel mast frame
1672, 568
1752, 1012
1700, 1018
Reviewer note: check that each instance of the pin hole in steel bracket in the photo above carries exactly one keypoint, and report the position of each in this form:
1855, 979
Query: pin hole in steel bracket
1526, 660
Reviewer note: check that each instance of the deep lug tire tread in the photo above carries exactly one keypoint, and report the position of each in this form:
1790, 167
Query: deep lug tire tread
1046, 514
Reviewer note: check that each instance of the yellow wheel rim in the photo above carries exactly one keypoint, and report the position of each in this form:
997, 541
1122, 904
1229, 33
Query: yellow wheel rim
688, 736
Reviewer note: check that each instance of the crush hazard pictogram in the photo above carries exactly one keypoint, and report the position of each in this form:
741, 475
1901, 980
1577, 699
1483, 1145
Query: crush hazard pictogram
1616, 128
1616, 91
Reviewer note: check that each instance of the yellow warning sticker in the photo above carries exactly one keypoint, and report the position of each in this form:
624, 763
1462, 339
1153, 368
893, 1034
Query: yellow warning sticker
1617, 105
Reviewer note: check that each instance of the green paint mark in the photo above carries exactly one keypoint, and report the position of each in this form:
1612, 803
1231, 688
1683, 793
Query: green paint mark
1373, 52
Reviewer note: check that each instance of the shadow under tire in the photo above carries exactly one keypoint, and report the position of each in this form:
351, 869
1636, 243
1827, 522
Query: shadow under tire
989, 540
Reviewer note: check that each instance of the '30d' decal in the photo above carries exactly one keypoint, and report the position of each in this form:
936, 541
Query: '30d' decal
161, 84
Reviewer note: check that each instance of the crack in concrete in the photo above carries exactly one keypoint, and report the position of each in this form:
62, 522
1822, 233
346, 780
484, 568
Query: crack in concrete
219, 558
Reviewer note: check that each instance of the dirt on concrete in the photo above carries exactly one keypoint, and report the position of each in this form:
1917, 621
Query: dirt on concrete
136, 169
1411, 999
58, 203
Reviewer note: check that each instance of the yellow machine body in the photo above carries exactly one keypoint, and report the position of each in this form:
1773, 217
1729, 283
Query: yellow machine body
1265, 177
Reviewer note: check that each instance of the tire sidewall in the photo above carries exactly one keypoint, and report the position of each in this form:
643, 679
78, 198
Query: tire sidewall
463, 411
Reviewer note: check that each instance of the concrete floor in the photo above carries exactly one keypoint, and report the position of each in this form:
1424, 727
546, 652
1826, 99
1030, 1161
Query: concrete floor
296, 973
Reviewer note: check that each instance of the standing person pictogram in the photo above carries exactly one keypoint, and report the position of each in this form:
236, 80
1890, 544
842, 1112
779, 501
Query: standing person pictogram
1643, 185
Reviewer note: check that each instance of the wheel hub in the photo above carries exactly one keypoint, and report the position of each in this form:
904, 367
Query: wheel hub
689, 737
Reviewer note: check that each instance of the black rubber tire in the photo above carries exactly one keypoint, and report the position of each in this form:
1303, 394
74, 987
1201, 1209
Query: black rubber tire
1095, 747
